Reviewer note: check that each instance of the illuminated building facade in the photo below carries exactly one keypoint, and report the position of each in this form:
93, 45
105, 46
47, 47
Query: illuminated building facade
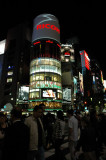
97, 77
67, 62
45, 65
86, 73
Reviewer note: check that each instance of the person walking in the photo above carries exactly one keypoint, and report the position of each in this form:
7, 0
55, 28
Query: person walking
87, 140
16, 138
73, 133
59, 130
3, 128
37, 137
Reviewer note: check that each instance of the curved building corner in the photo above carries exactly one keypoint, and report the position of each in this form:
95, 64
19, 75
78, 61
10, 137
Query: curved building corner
45, 65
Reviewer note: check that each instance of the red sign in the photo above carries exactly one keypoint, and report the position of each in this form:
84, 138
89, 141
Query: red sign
48, 26
86, 61
67, 53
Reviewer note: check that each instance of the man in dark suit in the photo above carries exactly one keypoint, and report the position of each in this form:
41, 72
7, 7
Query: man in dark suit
17, 138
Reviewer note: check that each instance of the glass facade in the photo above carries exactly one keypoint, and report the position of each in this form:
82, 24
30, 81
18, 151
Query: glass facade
46, 48
45, 75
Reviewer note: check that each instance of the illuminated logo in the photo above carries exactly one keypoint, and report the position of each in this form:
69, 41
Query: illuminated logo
48, 26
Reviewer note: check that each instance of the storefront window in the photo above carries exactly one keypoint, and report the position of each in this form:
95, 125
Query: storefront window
59, 96
55, 77
41, 77
10, 73
44, 49
34, 95
37, 77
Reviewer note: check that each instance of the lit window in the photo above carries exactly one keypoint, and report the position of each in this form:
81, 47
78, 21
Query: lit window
55, 78
9, 80
10, 73
2, 46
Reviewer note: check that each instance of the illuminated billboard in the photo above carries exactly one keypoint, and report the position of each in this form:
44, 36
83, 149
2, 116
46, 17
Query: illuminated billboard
81, 83
67, 94
105, 85
2, 46
75, 86
85, 61
23, 95
49, 93
46, 26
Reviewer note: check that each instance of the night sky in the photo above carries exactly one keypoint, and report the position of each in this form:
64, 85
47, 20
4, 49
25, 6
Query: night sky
84, 20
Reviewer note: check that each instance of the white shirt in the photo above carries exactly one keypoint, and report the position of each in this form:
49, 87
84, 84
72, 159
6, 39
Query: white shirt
73, 123
62, 124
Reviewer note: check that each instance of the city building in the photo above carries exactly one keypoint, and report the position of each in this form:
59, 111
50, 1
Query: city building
15, 69
67, 60
36, 68
2, 50
86, 78
98, 89
45, 65
97, 77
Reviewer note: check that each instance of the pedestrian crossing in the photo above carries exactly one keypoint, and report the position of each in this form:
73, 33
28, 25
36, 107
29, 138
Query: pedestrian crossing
49, 154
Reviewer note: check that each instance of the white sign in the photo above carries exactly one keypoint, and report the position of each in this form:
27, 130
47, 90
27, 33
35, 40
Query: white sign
2, 46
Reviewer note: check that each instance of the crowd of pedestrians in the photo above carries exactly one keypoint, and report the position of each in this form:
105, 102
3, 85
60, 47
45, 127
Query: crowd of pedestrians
27, 138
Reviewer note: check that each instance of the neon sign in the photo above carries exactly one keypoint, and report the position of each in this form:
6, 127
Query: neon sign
48, 26
85, 59
49, 41
45, 84
36, 42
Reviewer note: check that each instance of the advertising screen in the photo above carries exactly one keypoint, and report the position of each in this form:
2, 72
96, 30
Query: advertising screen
23, 93
49, 93
75, 86
81, 83
46, 26
66, 94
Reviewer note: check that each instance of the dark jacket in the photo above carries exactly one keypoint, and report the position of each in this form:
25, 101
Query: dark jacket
87, 139
16, 141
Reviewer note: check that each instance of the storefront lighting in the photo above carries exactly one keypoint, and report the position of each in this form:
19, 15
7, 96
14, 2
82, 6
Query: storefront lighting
35, 100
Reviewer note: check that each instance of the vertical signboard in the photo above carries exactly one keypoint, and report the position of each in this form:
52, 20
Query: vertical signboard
85, 61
